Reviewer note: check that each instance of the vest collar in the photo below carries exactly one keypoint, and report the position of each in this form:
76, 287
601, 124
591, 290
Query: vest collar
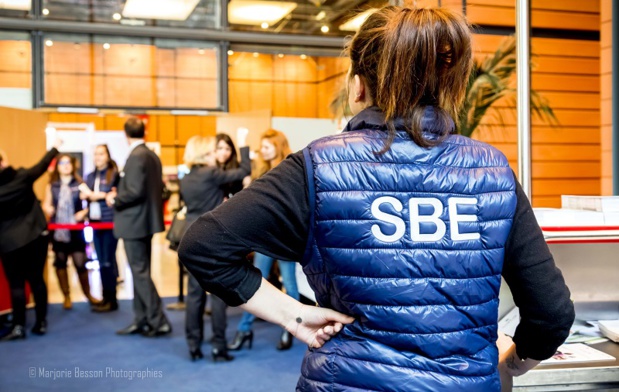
373, 118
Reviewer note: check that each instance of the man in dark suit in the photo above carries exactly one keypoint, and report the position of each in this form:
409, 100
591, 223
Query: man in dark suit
138, 214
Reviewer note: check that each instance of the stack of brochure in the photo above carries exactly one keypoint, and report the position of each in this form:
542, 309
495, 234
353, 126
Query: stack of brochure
610, 329
577, 353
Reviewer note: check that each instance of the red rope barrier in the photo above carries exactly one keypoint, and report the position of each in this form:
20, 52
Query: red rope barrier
82, 226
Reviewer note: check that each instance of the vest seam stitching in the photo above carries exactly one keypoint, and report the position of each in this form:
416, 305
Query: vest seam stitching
441, 249
421, 277
445, 305
430, 333
374, 220
415, 163
415, 368
413, 191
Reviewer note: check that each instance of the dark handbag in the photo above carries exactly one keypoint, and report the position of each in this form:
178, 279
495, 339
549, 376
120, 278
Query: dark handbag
177, 228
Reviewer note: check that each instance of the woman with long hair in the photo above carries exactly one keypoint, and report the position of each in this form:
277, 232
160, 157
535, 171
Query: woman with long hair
226, 159
274, 149
100, 183
201, 190
403, 229
24, 241
63, 205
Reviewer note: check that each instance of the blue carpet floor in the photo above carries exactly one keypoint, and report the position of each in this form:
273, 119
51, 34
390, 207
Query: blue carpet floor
86, 341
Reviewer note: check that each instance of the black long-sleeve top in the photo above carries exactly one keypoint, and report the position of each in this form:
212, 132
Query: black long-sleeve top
201, 189
21, 217
272, 217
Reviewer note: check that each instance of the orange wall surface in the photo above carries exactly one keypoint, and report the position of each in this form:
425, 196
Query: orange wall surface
606, 47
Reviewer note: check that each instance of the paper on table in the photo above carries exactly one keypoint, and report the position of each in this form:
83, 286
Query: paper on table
577, 353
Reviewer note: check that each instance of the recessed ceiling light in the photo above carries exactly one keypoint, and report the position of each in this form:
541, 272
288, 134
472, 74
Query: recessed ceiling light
117, 16
49, 42
252, 12
281, 55
321, 15
45, 11
106, 46
303, 57
230, 52
264, 25
356, 22
256, 54
324, 29
159, 9
19, 5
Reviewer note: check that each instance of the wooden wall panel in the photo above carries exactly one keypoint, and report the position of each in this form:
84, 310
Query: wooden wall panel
16, 64
573, 15
606, 76
565, 158
196, 93
167, 130
22, 137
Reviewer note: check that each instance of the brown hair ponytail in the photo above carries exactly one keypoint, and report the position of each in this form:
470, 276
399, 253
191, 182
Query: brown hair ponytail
411, 59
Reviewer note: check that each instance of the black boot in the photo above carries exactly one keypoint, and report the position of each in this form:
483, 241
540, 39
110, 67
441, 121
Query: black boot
221, 354
285, 341
240, 338
40, 328
196, 354
18, 332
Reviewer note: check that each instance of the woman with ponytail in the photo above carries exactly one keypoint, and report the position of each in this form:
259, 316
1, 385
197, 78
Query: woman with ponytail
403, 228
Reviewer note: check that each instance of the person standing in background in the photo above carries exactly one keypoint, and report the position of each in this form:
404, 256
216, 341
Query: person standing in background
226, 159
100, 182
138, 215
23, 241
63, 205
274, 149
202, 190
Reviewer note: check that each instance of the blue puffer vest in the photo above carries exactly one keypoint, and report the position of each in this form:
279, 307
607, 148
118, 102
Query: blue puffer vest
411, 244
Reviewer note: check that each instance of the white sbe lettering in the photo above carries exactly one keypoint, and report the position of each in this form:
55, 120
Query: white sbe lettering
400, 226
416, 219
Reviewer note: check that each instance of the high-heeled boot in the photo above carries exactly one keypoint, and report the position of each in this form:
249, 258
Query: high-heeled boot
240, 338
85, 283
63, 282
285, 341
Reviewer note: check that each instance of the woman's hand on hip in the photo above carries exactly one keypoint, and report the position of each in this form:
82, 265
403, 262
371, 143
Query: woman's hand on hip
315, 326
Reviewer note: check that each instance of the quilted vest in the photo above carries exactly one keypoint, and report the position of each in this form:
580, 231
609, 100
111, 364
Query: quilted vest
411, 244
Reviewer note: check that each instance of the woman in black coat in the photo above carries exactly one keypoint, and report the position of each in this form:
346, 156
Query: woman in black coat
23, 241
202, 191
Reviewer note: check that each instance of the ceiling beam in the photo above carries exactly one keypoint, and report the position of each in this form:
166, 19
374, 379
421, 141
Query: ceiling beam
53, 26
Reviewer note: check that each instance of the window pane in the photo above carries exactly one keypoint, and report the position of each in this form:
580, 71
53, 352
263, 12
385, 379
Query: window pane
16, 64
104, 71
16, 9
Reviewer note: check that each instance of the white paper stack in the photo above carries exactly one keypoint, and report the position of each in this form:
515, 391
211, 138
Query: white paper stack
568, 217
610, 329
577, 353
591, 203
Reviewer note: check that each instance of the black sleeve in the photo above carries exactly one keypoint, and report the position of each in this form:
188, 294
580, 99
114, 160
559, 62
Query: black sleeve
221, 176
538, 287
271, 216
40, 168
